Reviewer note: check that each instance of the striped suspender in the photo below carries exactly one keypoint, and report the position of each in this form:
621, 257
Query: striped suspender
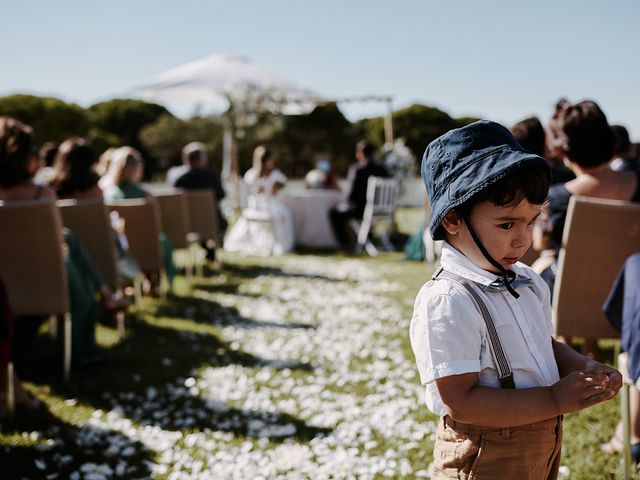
505, 375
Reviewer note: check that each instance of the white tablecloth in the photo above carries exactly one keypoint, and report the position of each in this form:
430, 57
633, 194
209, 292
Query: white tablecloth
310, 210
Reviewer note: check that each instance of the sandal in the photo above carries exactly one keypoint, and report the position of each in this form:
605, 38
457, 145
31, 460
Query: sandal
615, 445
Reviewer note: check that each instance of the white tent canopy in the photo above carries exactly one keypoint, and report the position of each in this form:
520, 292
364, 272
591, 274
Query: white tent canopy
232, 78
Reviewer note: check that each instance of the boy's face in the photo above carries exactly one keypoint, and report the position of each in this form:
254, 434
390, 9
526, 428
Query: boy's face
505, 232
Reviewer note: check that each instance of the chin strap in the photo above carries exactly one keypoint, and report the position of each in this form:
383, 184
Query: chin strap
507, 275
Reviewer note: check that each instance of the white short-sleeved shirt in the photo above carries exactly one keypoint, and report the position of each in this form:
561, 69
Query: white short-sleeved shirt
449, 335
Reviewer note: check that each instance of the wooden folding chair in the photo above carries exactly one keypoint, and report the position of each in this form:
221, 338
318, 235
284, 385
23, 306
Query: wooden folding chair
32, 266
174, 214
89, 221
203, 218
382, 195
598, 237
143, 227
625, 412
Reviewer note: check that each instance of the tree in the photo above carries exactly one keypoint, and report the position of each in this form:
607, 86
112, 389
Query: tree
303, 138
165, 138
125, 118
52, 119
417, 124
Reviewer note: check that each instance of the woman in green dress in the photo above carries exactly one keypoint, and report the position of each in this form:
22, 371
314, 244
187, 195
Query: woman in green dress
122, 181
87, 289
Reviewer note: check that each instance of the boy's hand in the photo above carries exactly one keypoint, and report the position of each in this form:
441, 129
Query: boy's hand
581, 389
615, 377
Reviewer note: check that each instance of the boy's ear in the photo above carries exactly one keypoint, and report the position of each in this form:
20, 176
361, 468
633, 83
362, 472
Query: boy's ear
452, 222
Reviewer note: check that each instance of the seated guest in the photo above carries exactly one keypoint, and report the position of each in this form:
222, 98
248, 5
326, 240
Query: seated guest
583, 137
17, 167
357, 179
264, 181
74, 175
199, 177
531, 135
175, 172
263, 177
622, 309
125, 174
624, 157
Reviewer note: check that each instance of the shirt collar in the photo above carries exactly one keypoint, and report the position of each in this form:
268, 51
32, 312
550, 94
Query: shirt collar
455, 262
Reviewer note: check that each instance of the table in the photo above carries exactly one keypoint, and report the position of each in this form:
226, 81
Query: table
310, 209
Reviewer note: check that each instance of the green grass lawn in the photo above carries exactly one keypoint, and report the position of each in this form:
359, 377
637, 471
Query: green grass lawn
291, 367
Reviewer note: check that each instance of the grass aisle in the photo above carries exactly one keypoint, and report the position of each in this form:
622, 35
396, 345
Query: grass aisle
290, 367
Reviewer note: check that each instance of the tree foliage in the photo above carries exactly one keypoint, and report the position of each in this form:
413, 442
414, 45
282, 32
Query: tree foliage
417, 124
165, 138
297, 140
125, 117
52, 119
325, 132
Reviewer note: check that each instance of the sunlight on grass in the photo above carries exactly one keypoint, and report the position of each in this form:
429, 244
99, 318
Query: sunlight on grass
298, 366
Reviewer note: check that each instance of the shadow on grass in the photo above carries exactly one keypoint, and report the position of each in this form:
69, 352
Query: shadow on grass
64, 448
147, 377
208, 312
253, 271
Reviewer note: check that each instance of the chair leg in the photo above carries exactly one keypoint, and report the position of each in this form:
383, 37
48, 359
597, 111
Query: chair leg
67, 347
11, 394
137, 288
371, 249
626, 428
163, 284
363, 233
198, 261
120, 319
386, 242
53, 326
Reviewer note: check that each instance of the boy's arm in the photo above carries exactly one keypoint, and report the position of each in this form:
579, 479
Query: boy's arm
569, 360
468, 402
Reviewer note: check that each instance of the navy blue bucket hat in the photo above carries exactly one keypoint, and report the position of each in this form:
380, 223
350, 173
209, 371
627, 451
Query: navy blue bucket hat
463, 162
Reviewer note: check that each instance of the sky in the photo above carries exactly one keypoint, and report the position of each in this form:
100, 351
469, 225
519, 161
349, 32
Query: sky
501, 60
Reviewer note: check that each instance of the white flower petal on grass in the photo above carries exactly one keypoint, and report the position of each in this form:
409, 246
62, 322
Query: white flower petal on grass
329, 343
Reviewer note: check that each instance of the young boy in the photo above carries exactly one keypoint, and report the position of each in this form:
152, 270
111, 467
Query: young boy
481, 329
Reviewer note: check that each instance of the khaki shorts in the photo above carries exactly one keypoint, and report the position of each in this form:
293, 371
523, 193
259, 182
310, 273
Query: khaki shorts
468, 452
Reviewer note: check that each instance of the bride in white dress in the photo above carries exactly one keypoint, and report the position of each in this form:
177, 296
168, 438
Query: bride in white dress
266, 225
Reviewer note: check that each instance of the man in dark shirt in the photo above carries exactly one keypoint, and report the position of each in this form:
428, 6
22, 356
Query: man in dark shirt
357, 178
199, 177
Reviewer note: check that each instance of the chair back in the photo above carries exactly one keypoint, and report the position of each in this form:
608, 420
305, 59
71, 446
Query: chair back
143, 228
32, 262
598, 237
382, 195
174, 214
89, 220
203, 214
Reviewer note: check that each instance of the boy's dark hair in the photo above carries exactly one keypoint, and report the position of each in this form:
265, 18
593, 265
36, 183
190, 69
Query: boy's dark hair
621, 143
530, 182
530, 134
582, 133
